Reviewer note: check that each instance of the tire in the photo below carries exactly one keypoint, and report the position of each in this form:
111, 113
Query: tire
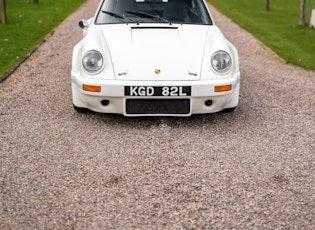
81, 110
229, 110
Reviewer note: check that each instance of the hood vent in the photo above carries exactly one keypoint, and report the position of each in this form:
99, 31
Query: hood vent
154, 27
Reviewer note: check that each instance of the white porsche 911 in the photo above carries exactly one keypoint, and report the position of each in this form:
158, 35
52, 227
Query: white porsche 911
154, 58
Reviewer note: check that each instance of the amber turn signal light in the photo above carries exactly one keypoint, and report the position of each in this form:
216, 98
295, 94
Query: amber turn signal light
92, 88
223, 88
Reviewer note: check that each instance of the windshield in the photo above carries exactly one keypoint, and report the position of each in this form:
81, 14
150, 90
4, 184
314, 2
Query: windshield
153, 11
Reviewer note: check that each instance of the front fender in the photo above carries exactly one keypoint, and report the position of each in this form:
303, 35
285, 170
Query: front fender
93, 40
216, 41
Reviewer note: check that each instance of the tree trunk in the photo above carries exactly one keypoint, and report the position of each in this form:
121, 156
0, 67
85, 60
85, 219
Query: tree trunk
302, 13
267, 5
3, 12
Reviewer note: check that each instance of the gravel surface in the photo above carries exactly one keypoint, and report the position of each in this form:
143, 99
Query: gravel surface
251, 169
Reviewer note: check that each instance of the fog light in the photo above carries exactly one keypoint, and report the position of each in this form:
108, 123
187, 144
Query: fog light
105, 102
223, 88
208, 103
92, 88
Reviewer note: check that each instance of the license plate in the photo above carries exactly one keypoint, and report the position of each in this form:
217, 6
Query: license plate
166, 91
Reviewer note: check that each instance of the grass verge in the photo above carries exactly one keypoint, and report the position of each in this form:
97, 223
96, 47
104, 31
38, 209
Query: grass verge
277, 28
27, 25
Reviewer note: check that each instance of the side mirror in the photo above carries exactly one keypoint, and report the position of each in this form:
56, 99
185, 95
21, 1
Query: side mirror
83, 23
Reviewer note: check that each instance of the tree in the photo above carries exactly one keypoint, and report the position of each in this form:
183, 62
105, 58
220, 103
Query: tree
302, 12
267, 5
3, 14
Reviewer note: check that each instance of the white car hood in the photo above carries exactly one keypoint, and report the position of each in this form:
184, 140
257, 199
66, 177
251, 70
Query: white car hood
155, 52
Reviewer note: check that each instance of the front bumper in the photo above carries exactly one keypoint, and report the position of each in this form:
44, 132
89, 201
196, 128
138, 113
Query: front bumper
111, 96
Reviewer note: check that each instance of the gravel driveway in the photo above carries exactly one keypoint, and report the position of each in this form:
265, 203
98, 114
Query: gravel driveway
252, 169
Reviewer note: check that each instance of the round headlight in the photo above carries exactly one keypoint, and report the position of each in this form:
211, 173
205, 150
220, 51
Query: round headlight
92, 61
221, 61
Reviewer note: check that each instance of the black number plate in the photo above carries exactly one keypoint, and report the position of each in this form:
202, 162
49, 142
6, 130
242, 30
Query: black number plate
166, 91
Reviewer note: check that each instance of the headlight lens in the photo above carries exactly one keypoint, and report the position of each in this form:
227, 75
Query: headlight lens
221, 61
92, 61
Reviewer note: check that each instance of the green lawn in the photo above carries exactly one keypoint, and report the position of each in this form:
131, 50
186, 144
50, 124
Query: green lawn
277, 28
27, 24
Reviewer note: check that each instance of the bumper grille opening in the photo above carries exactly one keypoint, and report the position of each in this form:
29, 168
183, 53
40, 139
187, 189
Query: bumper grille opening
158, 106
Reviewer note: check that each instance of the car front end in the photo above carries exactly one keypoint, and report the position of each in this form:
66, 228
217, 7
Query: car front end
160, 68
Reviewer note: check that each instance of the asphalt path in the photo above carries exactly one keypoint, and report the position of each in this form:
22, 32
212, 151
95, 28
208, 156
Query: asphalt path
251, 169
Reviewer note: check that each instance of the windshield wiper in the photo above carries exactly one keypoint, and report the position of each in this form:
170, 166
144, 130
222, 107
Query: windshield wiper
113, 14
121, 17
147, 15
